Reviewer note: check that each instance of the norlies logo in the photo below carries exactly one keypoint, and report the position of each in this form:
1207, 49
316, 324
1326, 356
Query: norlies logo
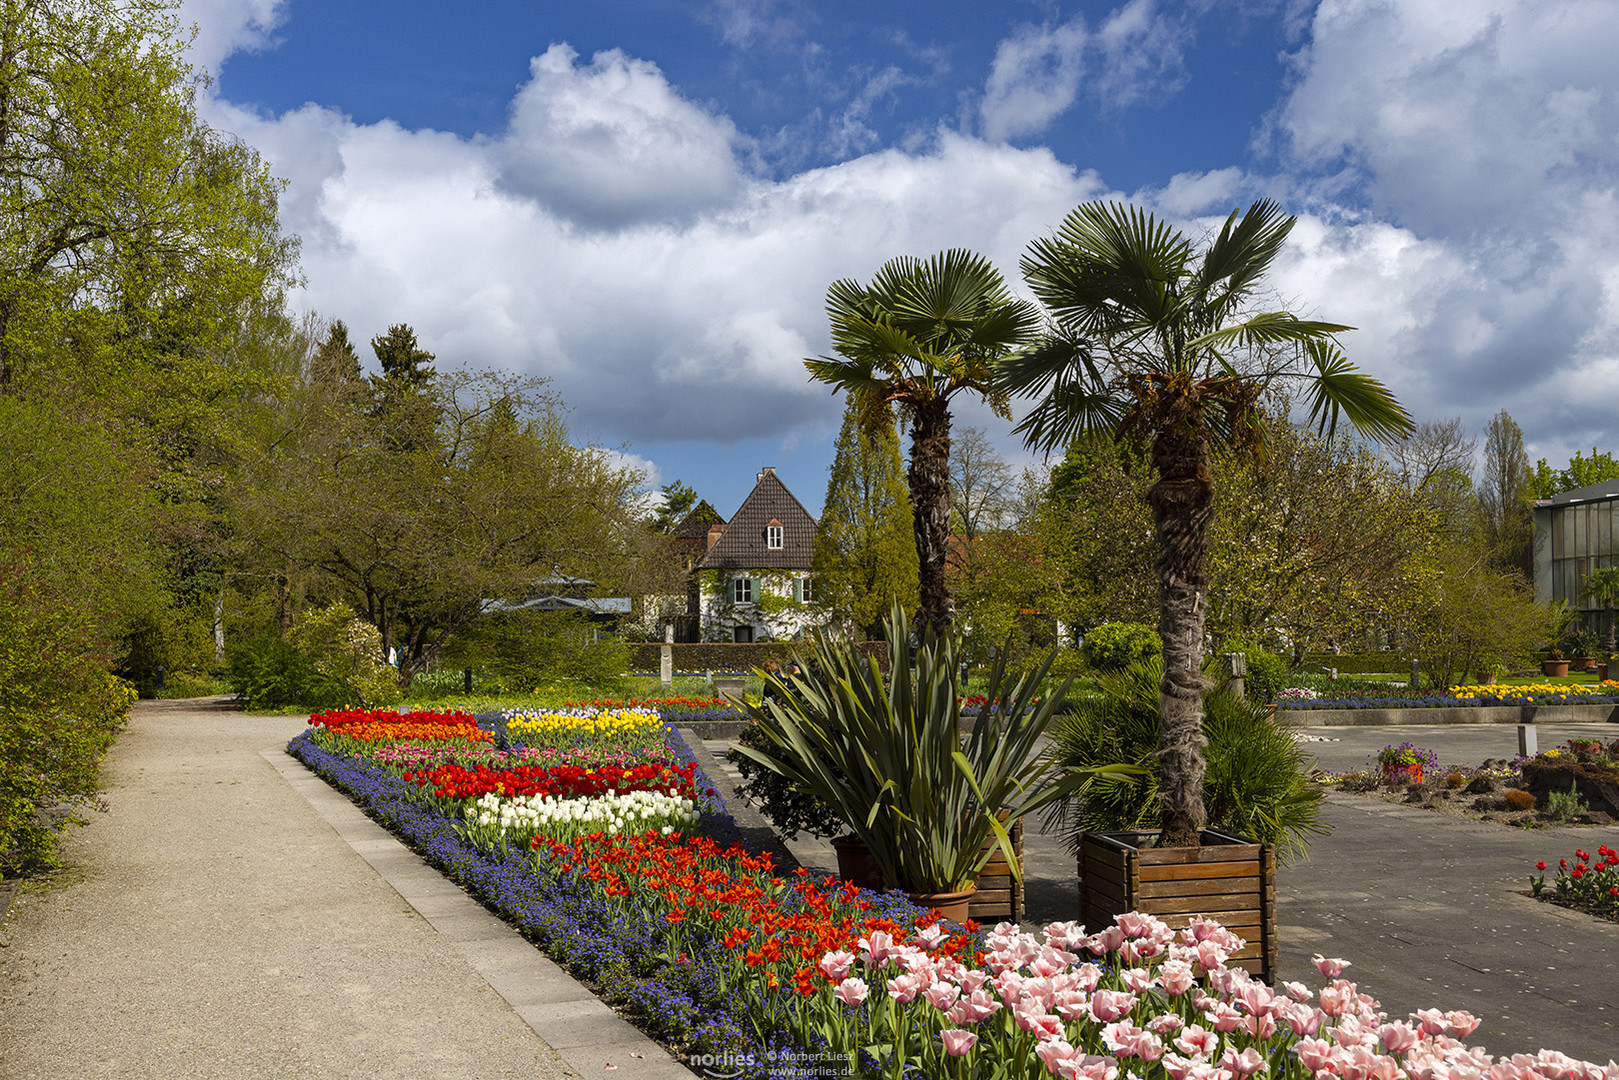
729, 1066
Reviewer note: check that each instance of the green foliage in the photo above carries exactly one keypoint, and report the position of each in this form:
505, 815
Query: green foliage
889, 758
173, 638
865, 553
1267, 672
269, 672
678, 498
790, 809
1256, 784
1580, 472
528, 649
1115, 646
348, 650
59, 713
1565, 806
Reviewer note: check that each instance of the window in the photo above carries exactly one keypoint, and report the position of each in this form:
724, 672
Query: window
773, 537
742, 634
803, 590
742, 590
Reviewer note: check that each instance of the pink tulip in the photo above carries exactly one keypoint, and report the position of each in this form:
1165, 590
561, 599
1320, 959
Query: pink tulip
851, 991
1314, 1054
1176, 977
836, 965
1056, 1053
1108, 941
1197, 1042
1329, 969
957, 1042
932, 937
941, 995
1461, 1023
1110, 1005
1297, 991
1431, 1021
876, 949
1244, 1064
905, 988
1136, 924
1071, 1004
1398, 1037
1165, 1024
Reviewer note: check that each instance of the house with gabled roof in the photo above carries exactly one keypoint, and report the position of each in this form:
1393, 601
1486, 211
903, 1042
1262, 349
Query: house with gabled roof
754, 581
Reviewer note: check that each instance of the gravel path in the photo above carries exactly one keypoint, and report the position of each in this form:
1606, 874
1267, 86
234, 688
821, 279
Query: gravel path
216, 926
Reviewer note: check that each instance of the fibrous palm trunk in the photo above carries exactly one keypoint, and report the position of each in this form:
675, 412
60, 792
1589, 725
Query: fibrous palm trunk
929, 479
1182, 503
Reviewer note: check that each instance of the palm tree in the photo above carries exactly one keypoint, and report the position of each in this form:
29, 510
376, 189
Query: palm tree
1603, 585
919, 334
1160, 346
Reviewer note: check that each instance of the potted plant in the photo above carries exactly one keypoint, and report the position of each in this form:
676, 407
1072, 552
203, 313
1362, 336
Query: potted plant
1554, 665
1584, 643
1256, 794
932, 793
1405, 763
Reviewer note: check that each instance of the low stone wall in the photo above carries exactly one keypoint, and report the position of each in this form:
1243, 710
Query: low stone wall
1482, 714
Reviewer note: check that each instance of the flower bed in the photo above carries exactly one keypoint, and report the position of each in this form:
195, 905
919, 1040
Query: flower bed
1606, 693
702, 943
1591, 884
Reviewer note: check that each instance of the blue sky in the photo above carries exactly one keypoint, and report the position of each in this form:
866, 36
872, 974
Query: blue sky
645, 201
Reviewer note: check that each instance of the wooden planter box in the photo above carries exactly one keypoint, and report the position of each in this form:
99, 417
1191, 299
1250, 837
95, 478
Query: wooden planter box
1000, 896
1229, 879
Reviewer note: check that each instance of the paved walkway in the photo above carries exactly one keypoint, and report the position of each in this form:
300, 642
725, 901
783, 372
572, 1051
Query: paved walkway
234, 917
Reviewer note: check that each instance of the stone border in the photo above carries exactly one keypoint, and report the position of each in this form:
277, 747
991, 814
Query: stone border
584, 1032
1480, 714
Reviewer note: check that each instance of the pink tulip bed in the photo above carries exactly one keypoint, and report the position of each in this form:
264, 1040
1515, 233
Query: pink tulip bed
1135, 1000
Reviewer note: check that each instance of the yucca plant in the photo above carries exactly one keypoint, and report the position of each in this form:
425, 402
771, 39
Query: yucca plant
890, 756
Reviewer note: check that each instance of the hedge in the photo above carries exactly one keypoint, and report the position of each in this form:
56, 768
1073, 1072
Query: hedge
735, 655
1358, 663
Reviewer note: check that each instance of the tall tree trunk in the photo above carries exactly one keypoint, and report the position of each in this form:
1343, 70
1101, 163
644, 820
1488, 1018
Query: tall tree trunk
929, 478
1607, 606
1182, 502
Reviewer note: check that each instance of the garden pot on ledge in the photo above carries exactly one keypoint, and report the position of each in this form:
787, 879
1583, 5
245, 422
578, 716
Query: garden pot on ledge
1230, 879
1554, 668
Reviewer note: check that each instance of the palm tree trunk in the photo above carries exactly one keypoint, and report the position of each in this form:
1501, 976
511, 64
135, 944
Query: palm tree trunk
929, 479
1607, 605
1182, 502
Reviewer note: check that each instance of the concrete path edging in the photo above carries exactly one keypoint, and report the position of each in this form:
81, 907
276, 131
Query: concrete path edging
1465, 714
581, 1028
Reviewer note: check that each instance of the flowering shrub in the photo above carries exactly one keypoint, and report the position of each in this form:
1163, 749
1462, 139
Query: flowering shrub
1297, 693
1406, 755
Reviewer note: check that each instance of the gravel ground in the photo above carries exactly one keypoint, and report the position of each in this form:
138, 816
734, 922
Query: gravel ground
212, 925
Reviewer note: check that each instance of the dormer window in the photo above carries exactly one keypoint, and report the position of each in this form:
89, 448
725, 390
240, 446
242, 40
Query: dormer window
773, 536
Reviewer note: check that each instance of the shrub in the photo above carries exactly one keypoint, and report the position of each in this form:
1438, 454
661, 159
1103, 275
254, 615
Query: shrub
348, 650
1565, 806
59, 712
789, 809
1256, 782
526, 649
268, 672
1115, 646
1455, 780
1266, 671
1519, 799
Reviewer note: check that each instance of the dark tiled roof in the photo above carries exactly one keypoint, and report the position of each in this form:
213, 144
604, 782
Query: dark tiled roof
743, 545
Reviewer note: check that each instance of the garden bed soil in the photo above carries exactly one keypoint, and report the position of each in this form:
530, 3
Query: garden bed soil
1598, 787
1482, 798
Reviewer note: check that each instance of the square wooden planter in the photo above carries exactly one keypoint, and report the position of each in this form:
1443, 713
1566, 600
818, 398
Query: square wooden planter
1229, 879
1000, 896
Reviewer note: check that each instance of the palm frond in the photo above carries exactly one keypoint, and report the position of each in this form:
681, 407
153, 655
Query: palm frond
1266, 328
1242, 253
1336, 387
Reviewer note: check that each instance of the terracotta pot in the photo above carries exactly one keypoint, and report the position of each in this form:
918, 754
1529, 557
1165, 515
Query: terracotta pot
955, 906
856, 863
1394, 775
1554, 668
